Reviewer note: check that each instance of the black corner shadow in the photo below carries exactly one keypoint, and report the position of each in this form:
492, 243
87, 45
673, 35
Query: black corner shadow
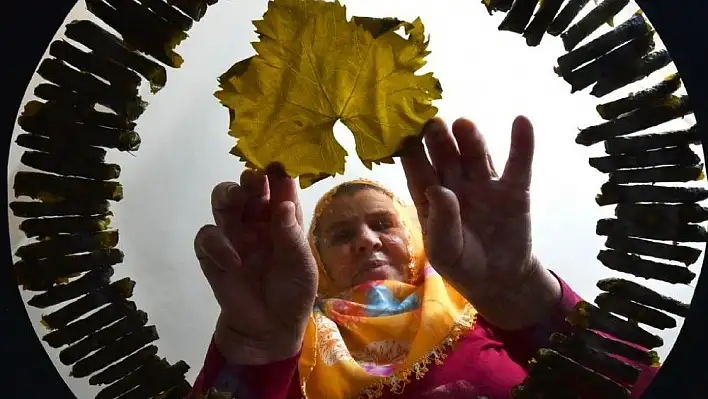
27, 372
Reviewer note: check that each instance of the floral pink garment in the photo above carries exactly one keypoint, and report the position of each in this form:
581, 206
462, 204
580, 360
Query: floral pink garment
485, 364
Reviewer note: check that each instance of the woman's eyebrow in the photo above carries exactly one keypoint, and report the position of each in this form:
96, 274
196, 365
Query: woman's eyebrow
383, 213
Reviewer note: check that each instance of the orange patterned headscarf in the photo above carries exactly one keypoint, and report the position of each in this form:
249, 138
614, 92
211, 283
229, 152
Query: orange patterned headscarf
379, 335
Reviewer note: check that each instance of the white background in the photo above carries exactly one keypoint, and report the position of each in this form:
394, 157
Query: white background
487, 75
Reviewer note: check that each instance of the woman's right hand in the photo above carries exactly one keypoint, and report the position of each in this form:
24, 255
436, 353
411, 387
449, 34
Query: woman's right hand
260, 268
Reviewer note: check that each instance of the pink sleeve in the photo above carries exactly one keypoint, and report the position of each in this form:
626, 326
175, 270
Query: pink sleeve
268, 381
522, 345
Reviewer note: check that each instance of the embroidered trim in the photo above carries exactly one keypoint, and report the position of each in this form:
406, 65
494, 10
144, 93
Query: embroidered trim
397, 382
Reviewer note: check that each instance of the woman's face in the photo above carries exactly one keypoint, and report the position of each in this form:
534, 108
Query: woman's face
361, 238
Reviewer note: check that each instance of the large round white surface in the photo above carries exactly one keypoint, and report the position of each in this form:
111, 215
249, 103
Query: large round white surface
488, 76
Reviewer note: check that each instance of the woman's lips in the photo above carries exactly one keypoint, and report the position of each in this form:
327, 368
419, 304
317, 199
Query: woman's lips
374, 269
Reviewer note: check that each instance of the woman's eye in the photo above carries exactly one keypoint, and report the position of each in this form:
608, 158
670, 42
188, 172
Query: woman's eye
382, 225
341, 236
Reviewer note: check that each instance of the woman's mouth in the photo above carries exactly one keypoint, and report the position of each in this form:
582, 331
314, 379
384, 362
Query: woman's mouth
374, 269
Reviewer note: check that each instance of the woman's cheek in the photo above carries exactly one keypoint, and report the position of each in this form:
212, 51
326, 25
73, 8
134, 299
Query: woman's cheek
397, 248
345, 265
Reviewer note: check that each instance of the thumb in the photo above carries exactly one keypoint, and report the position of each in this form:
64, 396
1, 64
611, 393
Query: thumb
443, 235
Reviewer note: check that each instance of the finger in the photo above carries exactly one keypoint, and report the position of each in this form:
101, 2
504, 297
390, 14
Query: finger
255, 183
490, 161
518, 167
227, 204
283, 189
288, 235
420, 175
214, 252
474, 155
220, 264
443, 229
444, 155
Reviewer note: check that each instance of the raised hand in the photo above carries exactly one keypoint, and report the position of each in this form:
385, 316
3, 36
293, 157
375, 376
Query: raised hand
260, 268
477, 225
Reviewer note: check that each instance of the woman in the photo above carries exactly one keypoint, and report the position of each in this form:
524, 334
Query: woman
445, 301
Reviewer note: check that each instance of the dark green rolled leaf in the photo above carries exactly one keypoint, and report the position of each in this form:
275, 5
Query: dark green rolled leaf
652, 96
58, 246
624, 194
589, 316
591, 22
653, 229
566, 16
100, 339
105, 44
124, 367
64, 110
665, 213
681, 156
567, 371
638, 246
518, 16
76, 135
640, 294
594, 359
194, 8
141, 375
95, 321
497, 5
70, 166
140, 28
34, 209
642, 268
634, 311
611, 63
636, 121
180, 391
652, 141
634, 28
171, 15
90, 281
52, 188
160, 382
45, 227
644, 67
113, 352
61, 148
91, 88
119, 77
663, 174
541, 21
115, 292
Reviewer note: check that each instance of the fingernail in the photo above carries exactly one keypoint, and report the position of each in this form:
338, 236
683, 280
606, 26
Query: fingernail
409, 143
433, 126
276, 169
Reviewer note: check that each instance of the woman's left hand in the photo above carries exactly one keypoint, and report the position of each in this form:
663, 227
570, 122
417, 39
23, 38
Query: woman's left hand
477, 226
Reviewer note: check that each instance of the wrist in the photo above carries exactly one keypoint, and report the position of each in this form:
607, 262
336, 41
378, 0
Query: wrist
530, 299
267, 348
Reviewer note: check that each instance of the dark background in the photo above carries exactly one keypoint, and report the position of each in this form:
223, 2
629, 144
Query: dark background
27, 28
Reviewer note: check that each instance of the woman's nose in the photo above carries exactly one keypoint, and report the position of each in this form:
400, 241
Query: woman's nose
367, 240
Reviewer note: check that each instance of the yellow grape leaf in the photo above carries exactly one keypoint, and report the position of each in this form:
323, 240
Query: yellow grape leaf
314, 67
